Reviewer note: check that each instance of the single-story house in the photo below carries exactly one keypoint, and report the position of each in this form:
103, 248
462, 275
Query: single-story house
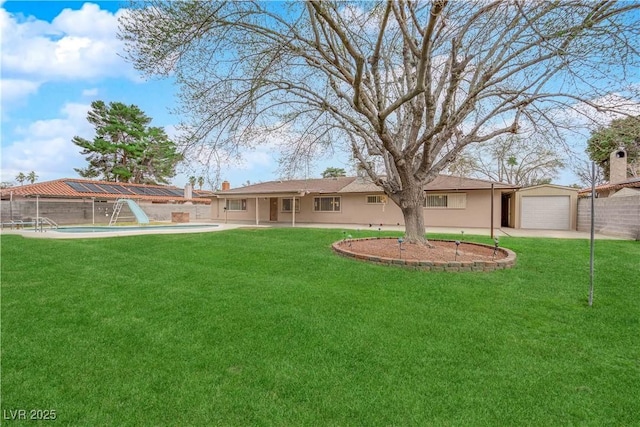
451, 201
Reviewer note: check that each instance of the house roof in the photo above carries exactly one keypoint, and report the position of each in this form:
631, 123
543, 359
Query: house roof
73, 188
295, 186
354, 185
629, 183
559, 187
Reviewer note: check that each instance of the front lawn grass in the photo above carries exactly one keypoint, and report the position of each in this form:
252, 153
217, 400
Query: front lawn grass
269, 327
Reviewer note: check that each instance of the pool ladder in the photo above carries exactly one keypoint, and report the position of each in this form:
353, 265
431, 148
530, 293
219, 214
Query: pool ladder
116, 212
42, 220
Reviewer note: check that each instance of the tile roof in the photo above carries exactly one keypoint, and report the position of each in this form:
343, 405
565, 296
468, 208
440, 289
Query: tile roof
629, 183
356, 185
84, 188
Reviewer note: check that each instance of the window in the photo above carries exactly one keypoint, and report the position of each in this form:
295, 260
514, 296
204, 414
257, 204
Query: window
286, 205
237, 204
326, 204
376, 200
446, 201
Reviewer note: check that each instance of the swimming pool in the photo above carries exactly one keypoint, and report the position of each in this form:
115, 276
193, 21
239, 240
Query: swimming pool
114, 229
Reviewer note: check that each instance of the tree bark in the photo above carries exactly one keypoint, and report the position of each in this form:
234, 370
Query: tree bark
411, 202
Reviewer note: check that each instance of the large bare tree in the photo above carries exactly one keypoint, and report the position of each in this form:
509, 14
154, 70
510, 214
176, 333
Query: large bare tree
406, 85
519, 160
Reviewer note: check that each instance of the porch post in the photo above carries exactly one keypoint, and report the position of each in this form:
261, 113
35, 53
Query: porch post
257, 212
492, 196
37, 211
293, 212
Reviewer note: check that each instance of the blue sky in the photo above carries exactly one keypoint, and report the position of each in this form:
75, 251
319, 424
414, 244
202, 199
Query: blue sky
58, 57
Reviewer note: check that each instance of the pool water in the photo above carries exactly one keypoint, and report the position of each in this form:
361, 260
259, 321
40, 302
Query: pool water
106, 229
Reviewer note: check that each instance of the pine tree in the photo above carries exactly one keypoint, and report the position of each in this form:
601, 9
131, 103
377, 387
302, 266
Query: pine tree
125, 148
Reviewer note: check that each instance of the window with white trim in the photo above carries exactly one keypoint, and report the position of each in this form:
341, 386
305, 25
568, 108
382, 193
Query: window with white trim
446, 200
236, 204
286, 205
326, 204
377, 199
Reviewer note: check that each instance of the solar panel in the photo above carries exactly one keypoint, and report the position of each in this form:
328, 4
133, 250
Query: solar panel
123, 189
78, 187
178, 193
87, 187
115, 189
138, 190
155, 192
173, 192
94, 188
166, 192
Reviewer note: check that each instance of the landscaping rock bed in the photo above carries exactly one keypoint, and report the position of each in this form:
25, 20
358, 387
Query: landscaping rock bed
441, 257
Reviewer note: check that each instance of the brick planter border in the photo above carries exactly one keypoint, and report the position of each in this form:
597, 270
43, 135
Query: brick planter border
341, 247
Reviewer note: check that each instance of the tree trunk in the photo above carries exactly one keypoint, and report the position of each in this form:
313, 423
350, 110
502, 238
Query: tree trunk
411, 203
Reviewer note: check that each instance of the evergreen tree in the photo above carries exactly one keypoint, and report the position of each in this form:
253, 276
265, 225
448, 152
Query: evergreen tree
333, 172
125, 148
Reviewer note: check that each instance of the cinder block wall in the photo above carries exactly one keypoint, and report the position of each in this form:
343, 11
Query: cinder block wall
615, 216
162, 212
66, 212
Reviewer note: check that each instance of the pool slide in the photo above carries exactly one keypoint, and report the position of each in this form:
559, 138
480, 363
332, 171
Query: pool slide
141, 217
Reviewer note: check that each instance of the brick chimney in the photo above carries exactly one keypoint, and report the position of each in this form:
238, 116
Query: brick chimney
618, 166
226, 186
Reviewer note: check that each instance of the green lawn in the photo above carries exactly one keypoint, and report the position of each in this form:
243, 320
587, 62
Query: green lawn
268, 327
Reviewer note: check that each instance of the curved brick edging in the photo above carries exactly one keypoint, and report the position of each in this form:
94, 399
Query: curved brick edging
341, 248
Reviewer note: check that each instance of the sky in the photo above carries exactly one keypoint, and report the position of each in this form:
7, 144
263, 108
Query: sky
59, 56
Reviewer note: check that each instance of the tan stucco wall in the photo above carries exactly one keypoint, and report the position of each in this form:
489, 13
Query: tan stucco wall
476, 214
356, 210
548, 190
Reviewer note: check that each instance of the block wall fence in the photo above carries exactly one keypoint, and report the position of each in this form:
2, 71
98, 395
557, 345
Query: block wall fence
615, 216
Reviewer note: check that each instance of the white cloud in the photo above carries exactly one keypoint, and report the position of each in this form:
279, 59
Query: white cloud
90, 92
583, 112
15, 90
45, 147
76, 45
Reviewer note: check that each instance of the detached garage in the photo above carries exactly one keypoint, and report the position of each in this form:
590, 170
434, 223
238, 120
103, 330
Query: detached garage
547, 207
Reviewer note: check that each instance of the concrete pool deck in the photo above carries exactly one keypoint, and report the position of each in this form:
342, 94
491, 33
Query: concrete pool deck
49, 233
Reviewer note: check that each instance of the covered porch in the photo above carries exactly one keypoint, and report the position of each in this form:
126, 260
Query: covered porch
262, 208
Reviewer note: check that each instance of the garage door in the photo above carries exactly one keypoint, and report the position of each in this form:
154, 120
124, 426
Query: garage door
546, 212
